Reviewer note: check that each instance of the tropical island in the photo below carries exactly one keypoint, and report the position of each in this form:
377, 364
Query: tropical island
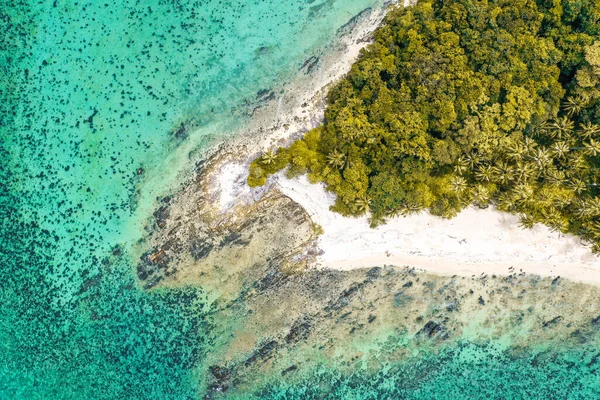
314, 199
458, 103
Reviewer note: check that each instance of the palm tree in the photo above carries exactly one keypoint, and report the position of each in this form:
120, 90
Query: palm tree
336, 159
523, 194
473, 159
485, 173
592, 148
588, 130
411, 209
577, 163
577, 185
529, 144
524, 171
554, 176
562, 128
481, 195
527, 221
515, 150
504, 172
562, 202
554, 220
582, 209
458, 184
560, 149
593, 228
362, 204
462, 165
505, 202
542, 158
544, 198
269, 157
593, 205
542, 129
574, 105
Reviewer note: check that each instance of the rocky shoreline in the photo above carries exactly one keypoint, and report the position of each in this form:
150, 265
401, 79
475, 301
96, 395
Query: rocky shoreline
288, 324
193, 242
192, 233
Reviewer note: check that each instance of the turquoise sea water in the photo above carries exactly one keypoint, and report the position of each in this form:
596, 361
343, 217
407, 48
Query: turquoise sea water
461, 371
93, 99
92, 92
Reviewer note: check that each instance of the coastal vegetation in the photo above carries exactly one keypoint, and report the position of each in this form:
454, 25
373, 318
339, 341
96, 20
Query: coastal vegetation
460, 102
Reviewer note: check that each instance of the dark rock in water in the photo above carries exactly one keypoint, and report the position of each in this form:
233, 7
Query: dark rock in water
233, 238
161, 215
261, 51
552, 322
263, 353
289, 369
221, 374
265, 95
271, 279
374, 273
153, 281
579, 336
343, 316
90, 120
262, 93
89, 283
200, 249
116, 251
310, 64
142, 272
348, 26
401, 299
371, 318
151, 262
344, 299
299, 331
481, 301
594, 360
433, 330
181, 132
407, 284
596, 322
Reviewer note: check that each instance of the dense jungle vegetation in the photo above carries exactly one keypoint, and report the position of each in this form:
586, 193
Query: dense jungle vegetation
465, 101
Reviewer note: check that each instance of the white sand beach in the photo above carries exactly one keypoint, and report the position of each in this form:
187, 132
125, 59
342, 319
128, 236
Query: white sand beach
473, 243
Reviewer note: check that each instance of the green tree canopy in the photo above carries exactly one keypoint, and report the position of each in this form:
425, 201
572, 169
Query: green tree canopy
465, 101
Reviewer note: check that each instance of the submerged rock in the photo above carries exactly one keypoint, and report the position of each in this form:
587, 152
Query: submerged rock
299, 331
263, 352
552, 322
433, 329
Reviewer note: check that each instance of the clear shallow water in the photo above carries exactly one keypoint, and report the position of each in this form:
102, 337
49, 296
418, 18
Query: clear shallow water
91, 93
461, 371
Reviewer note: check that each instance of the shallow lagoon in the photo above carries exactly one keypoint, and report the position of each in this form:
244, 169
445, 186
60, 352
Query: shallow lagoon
95, 97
